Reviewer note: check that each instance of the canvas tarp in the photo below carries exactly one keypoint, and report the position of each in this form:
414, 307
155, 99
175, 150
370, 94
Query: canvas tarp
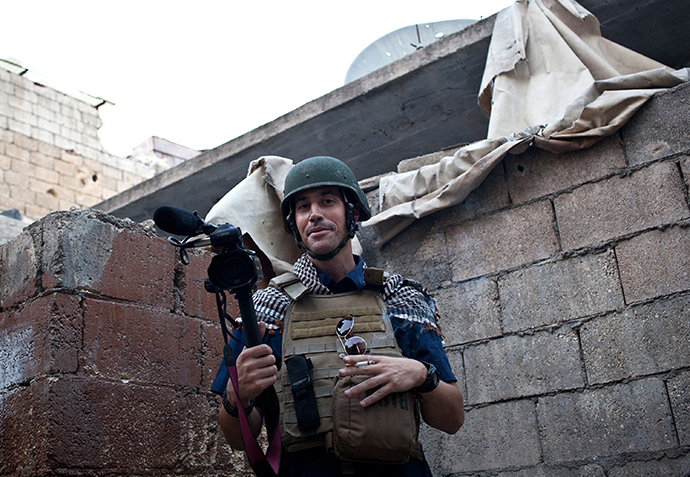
551, 80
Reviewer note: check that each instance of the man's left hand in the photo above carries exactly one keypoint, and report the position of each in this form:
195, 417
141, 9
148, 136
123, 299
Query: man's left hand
387, 373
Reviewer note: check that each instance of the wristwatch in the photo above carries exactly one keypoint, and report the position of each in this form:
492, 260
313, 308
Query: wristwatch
432, 378
232, 410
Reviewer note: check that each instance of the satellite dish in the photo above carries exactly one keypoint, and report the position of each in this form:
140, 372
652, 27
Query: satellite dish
399, 43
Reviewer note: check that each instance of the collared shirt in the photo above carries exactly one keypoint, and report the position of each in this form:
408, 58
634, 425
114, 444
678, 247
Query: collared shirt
353, 281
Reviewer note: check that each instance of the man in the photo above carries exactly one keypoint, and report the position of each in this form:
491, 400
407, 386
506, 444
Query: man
322, 203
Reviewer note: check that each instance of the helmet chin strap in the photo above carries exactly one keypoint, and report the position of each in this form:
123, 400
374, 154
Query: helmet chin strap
325, 256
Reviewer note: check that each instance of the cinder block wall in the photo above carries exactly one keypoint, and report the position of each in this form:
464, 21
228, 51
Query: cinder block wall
108, 347
564, 285
51, 157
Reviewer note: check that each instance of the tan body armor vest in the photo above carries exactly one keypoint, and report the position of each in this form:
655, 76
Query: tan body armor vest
309, 329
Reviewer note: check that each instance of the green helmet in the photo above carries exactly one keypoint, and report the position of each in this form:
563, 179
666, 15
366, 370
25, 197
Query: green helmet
317, 172
322, 171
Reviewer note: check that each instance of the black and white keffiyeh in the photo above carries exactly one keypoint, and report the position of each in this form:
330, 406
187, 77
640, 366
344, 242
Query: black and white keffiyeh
404, 299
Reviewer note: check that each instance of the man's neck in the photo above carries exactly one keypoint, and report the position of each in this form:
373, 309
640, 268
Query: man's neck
339, 266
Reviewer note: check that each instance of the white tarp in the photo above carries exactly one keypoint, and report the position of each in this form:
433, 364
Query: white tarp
550, 80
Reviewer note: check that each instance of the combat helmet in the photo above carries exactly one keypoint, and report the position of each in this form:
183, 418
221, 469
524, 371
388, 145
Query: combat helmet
317, 172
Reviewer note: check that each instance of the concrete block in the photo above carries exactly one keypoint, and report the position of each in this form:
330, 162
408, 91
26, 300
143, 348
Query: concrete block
17, 152
42, 136
498, 436
43, 337
610, 421
685, 169
49, 149
618, 206
91, 250
26, 93
18, 269
50, 126
20, 192
640, 341
650, 135
63, 168
24, 142
64, 143
490, 195
97, 424
559, 291
21, 438
519, 366
194, 299
679, 395
418, 253
587, 470
18, 103
212, 352
655, 263
19, 126
140, 268
141, 344
502, 241
536, 172
458, 367
47, 200
666, 466
469, 311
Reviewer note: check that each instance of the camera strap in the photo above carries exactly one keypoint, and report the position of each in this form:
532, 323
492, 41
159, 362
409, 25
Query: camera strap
263, 465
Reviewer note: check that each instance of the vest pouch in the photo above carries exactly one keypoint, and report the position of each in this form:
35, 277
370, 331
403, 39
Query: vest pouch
299, 372
385, 432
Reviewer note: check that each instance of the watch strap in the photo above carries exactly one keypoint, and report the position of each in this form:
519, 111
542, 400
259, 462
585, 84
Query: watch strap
232, 410
432, 379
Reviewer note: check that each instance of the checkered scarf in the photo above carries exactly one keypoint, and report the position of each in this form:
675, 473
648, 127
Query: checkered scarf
404, 299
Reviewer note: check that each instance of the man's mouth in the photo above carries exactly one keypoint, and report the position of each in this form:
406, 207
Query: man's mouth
316, 231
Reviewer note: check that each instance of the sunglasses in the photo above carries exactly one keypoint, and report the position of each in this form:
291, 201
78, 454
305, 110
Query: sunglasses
351, 344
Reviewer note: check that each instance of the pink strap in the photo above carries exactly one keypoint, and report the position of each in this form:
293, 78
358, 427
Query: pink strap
263, 465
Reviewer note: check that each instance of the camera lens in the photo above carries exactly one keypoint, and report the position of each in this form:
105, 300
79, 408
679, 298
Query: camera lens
231, 270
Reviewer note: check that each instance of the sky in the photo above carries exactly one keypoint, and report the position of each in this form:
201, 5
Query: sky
202, 73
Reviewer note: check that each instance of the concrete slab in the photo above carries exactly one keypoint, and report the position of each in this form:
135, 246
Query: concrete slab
417, 105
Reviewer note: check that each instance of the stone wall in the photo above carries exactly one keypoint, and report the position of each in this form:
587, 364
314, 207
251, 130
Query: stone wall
564, 285
51, 157
108, 347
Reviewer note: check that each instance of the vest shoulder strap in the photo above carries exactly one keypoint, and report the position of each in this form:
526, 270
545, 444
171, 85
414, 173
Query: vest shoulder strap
375, 277
289, 284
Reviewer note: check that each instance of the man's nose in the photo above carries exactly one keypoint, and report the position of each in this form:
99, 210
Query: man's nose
315, 213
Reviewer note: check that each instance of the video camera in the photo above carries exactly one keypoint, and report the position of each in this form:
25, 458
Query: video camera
234, 268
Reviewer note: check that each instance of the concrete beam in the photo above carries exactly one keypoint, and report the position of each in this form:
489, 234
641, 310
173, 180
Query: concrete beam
417, 105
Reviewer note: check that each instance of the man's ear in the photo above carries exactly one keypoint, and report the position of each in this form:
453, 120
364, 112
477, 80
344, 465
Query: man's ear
355, 212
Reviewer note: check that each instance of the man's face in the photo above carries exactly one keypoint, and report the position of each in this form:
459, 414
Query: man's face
321, 218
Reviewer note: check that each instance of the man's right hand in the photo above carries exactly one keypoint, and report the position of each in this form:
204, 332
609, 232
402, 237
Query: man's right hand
256, 371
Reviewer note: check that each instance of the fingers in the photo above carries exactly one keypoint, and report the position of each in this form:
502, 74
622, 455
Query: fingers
256, 370
386, 374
